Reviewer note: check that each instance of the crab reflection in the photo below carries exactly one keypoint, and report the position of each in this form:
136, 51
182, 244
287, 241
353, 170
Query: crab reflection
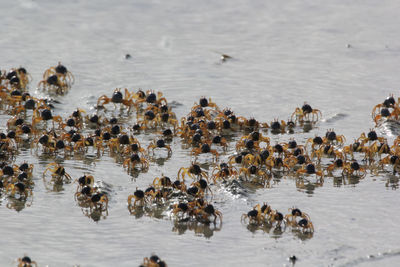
96, 214
200, 229
302, 235
18, 204
308, 186
338, 181
275, 231
155, 211
392, 182
159, 160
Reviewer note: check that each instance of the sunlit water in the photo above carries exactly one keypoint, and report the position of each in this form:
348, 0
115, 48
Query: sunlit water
341, 58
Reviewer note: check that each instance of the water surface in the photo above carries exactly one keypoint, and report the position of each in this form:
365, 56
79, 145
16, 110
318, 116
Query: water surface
340, 57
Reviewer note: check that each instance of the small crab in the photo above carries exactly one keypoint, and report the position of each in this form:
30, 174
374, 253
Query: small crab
200, 113
162, 182
139, 197
73, 123
376, 149
219, 140
29, 103
18, 78
337, 164
354, 147
386, 113
257, 214
54, 83
223, 171
134, 160
120, 143
309, 170
247, 144
278, 127
85, 180
332, 137
20, 188
160, 143
277, 163
205, 148
256, 136
328, 150
153, 261
45, 115
372, 136
276, 218
353, 168
389, 102
148, 120
202, 186
58, 172
203, 214
181, 209
294, 213
203, 103
62, 72
393, 160
117, 98
250, 124
316, 142
303, 114
256, 174
134, 147
300, 160
194, 171
166, 119
306, 225
26, 262
99, 201
25, 167
92, 198
151, 98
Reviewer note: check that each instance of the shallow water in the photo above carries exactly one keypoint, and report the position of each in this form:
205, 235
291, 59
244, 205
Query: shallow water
341, 58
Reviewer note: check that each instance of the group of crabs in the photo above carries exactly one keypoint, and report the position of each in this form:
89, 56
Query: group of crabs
206, 130
16, 181
265, 217
152, 261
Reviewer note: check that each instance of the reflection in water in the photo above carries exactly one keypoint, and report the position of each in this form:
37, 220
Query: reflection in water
134, 173
392, 182
95, 213
200, 225
302, 235
353, 179
275, 223
305, 185
307, 126
18, 204
200, 229
55, 187
277, 230
159, 160
338, 181
155, 211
